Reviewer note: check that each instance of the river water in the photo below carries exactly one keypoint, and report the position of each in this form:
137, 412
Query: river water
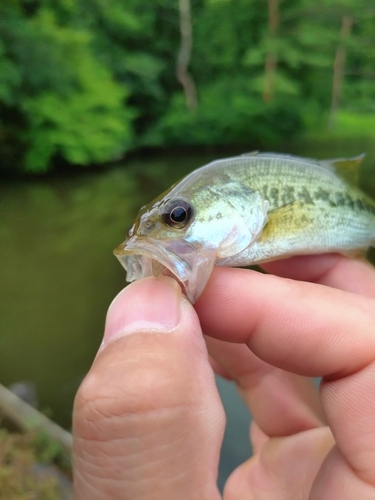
58, 274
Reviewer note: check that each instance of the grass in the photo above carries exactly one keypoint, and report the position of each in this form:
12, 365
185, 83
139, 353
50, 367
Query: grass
20, 458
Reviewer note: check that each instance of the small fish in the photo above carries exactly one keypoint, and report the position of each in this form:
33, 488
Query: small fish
247, 210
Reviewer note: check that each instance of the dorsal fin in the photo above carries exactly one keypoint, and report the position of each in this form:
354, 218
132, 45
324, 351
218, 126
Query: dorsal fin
347, 168
251, 153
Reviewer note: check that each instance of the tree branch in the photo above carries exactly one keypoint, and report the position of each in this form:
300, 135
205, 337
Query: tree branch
25, 418
184, 56
271, 59
339, 68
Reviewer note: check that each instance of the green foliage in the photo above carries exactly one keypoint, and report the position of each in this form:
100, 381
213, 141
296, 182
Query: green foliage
229, 113
47, 450
18, 479
57, 98
354, 125
87, 80
89, 125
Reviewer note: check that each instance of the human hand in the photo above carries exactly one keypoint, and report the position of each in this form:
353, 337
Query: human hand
148, 421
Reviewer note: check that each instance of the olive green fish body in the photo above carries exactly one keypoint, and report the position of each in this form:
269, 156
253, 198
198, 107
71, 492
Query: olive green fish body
311, 210
246, 210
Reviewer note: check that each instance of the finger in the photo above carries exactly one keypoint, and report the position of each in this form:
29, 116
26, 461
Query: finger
311, 330
218, 369
284, 469
323, 330
257, 437
337, 479
281, 403
148, 421
349, 404
356, 276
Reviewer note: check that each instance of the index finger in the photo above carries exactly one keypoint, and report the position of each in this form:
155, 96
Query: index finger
308, 329
301, 327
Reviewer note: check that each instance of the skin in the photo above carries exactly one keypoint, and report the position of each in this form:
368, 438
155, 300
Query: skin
148, 421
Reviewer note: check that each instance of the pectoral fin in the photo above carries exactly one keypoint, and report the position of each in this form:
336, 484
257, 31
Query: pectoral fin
248, 215
285, 220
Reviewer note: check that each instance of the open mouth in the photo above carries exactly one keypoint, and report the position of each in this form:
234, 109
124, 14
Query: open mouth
180, 260
143, 258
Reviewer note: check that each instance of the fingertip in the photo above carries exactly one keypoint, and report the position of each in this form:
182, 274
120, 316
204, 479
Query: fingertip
150, 304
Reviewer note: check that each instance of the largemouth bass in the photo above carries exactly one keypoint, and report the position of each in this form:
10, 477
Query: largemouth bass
248, 210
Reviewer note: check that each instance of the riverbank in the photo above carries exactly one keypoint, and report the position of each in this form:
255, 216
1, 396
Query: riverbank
28, 472
35, 453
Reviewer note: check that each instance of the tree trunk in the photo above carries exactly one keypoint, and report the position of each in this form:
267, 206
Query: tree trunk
184, 56
271, 59
339, 68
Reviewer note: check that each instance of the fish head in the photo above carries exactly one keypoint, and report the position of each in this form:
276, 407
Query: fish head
157, 245
183, 234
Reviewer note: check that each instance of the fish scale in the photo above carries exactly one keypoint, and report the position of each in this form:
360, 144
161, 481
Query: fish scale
324, 209
248, 210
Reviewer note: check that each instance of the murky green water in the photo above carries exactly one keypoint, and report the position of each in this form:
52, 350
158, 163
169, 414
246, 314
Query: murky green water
58, 274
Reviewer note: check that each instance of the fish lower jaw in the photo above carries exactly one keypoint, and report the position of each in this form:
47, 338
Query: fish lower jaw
158, 270
142, 265
168, 273
189, 266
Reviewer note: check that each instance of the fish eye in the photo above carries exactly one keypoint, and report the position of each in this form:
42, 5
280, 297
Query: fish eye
177, 213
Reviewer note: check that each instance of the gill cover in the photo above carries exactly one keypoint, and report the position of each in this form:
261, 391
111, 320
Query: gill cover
232, 217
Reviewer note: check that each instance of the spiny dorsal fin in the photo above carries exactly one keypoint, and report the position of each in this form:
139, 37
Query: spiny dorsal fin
251, 153
347, 168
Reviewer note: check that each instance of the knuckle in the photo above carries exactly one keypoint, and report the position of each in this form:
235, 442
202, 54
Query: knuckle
129, 394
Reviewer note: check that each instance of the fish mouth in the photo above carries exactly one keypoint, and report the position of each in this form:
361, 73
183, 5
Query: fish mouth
144, 257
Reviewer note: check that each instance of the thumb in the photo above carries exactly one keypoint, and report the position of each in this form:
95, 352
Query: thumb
147, 420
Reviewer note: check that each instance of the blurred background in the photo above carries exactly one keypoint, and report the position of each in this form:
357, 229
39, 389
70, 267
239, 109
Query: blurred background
105, 103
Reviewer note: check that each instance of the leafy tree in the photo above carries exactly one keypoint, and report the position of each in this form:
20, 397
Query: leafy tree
56, 97
88, 80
